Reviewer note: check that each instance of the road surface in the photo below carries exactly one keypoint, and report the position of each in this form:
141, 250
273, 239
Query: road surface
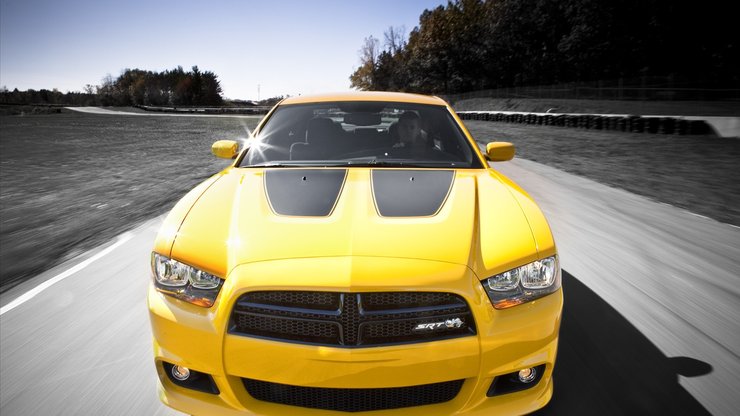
652, 299
651, 322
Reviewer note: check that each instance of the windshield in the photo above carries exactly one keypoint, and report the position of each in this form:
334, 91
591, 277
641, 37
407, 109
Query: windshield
352, 133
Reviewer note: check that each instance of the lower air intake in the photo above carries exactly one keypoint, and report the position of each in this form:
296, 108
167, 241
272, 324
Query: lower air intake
353, 400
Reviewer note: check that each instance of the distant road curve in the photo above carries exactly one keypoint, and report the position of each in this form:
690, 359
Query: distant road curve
104, 111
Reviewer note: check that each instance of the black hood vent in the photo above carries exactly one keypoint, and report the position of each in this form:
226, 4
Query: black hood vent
411, 193
304, 192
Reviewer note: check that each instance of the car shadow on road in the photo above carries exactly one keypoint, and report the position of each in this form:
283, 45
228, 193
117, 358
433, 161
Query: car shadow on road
605, 366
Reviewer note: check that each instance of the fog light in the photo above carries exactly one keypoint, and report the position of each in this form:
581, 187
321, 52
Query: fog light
523, 379
527, 375
191, 379
182, 373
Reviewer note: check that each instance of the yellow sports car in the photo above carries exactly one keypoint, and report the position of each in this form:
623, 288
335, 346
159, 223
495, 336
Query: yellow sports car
359, 255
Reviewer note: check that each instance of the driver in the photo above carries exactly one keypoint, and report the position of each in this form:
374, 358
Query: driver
410, 133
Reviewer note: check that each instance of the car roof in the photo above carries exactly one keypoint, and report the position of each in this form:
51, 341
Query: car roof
365, 96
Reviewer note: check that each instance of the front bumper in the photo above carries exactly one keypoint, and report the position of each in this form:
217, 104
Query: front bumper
506, 341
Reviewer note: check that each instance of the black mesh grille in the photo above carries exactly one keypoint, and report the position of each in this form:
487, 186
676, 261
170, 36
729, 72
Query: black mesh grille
352, 319
316, 300
353, 400
295, 329
390, 300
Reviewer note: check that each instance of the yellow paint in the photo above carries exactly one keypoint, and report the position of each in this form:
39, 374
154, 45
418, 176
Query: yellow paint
365, 96
226, 149
500, 151
170, 227
486, 226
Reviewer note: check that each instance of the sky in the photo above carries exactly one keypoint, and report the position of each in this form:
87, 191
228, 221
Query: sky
286, 47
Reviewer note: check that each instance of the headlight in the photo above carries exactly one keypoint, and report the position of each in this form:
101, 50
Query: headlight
185, 282
524, 283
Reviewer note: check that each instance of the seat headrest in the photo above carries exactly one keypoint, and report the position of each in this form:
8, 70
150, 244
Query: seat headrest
321, 130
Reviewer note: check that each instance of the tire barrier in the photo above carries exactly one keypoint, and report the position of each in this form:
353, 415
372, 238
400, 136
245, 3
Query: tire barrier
632, 124
256, 110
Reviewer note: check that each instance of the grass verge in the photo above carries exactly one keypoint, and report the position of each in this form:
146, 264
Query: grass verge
693, 172
71, 181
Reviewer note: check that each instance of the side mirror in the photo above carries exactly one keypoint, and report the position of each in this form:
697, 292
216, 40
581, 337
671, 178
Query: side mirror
500, 151
227, 149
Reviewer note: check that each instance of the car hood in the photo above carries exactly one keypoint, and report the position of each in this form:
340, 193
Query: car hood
474, 217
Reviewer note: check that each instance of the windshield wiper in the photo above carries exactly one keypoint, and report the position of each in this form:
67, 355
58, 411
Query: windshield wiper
269, 165
299, 164
365, 163
402, 163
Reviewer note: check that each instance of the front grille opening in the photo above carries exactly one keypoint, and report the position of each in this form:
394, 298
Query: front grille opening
353, 400
409, 300
326, 301
305, 330
352, 319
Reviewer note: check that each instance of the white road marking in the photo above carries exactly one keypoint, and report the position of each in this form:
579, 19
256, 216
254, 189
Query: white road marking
61, 276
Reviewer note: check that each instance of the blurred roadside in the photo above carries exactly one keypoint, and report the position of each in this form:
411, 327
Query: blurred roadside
696, 173
72, 180
591, 106
718, 118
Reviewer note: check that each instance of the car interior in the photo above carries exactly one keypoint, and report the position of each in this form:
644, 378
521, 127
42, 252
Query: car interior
349, 131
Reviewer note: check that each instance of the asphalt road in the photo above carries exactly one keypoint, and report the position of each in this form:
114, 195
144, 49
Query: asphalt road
651, 319
651, 323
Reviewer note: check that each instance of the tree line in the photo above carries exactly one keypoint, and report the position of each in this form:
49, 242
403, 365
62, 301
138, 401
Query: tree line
472, 45
175, 87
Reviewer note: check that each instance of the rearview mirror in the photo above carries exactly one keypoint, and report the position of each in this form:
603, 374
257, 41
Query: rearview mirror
227, 149
362, 119
500, 151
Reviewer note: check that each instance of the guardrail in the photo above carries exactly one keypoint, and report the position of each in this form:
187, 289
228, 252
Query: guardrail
617, 122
